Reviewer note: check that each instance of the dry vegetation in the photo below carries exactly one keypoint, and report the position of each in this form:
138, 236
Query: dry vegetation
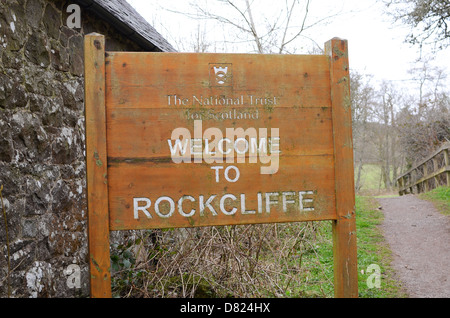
273, 260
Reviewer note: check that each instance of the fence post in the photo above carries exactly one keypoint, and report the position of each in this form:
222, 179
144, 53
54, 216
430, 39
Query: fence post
425, 174
96, 166
435, 168
446, 164
344, 227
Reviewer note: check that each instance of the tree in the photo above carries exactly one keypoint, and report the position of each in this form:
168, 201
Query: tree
424, 121
429, 20
385, 135
267, 26
362, 98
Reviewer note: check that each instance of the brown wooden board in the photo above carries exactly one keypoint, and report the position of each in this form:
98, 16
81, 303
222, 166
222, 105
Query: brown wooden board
150, 95
96, 166
344, 227
186, 140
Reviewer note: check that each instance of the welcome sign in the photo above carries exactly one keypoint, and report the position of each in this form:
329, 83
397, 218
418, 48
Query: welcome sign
187, 139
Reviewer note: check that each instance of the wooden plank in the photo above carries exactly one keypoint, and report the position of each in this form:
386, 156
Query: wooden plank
96, 166
144, 132
437, 152
151, 95
344, 228
144, 180
412, 181
138, 80
447, 163
445, 169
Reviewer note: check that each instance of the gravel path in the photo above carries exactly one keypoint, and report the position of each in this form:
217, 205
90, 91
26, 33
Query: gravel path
419, 237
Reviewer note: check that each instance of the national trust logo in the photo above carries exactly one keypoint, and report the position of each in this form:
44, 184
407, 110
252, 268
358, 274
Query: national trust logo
220, 74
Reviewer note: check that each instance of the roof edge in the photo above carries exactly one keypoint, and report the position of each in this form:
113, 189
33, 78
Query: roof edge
160, 44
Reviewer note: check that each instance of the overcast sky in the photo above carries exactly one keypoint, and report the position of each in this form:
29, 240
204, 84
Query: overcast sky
376, 47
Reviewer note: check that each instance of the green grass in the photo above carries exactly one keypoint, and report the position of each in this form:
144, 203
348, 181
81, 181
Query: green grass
440, 198
371, 182
371, 249
370, 177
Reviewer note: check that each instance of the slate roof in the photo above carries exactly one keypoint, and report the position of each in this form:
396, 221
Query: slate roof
123, 17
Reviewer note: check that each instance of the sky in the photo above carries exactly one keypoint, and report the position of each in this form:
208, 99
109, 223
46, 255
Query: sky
376, 46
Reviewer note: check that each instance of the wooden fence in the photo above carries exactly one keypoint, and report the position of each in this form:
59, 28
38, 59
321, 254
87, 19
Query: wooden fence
428, 174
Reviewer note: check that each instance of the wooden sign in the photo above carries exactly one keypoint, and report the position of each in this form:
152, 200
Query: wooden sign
187, 139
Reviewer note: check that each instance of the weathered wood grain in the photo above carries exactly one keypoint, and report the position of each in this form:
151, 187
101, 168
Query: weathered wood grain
144, 80
301, 103
344, 228
96, 166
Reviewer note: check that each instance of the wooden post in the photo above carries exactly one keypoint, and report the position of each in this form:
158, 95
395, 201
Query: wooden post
436, 168
344, 228
401, 182
446, 164
96, 166
425, 175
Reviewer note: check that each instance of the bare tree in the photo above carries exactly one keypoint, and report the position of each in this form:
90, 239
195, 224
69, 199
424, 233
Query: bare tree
385, 132
425, 121
362, 98
270, 27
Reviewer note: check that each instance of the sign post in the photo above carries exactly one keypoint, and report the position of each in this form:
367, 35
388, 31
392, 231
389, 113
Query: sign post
96, 166
187, 140
344, 226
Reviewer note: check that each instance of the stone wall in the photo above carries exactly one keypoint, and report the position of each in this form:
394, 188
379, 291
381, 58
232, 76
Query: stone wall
42, 167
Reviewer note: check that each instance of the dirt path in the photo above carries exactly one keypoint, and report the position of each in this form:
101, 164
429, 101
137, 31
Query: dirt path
419, 238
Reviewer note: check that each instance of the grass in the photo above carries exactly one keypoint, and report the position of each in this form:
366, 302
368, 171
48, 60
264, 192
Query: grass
440, 198
373, 254
370, 177
370, 182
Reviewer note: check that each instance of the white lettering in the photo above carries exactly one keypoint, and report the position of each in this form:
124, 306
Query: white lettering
238, 143
301, 200
269, 202
255, 149
220, 145
222, 204
241, 152
138, 208
178, 152
260, 204
243, 210
173, 149
171, 204
180, 206
196, 147
283, 202
227, 177
217, 168
206, 204
198, 132
274, 157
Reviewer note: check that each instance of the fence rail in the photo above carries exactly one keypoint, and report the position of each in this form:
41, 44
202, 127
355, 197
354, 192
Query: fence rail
430, 173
